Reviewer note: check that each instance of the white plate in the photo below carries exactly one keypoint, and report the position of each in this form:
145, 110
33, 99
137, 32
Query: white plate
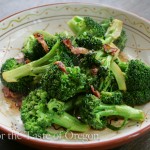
52, 18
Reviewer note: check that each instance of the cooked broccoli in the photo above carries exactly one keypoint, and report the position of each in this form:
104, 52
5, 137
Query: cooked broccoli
65, 54
136, 97
37, 114
79, 25
23, 85
32, 68
113, 32
63, 84
78, 81
33, 49
58, 53
137, 75
109, 71
122, 64
96, 114
119, 76
115, 97
121, 41
89, 41
104, 33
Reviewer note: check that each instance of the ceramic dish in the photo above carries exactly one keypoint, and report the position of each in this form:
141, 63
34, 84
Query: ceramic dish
53, 18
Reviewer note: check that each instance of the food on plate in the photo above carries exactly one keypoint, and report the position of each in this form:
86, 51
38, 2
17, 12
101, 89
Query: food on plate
78, 80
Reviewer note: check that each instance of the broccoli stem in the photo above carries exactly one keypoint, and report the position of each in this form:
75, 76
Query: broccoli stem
28, 69
113, 32
122, 111
118, 75
45, 59
41, 69
70, 122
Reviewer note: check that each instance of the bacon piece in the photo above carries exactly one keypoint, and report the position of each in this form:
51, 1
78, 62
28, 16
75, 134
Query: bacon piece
9, 94
95, 92
109, 49
75, 50
27, 61
61, 66
94, 71
79, 50
41, 40
68, 43
18, 103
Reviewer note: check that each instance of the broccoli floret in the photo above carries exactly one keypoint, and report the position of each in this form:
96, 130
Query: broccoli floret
112, 75
136, 97
137, 76
89, 41
33, 49
37, 114
115, 97
23, 85
82, 24
65, 54
63, 84
121, 41
96, 114
106, 32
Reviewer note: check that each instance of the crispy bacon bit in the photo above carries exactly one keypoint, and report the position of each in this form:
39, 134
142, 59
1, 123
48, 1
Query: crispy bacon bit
17, 98
79, 50
75, 50
27, 61
18, 103
109, 49
9, 94
41, 40
94, 71
68, 43
61, 66
95, 92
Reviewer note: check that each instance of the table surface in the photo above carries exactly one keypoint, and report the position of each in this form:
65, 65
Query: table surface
139, 7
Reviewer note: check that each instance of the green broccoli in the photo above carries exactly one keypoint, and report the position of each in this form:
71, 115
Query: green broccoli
32, 68
24, 85
136, 97
113, 32
109, 71
137, 75
115, 97
121, 41
89, 41
96, 114
59, 52
33, 49
37, 114
63, 82
104, 33
79, 25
